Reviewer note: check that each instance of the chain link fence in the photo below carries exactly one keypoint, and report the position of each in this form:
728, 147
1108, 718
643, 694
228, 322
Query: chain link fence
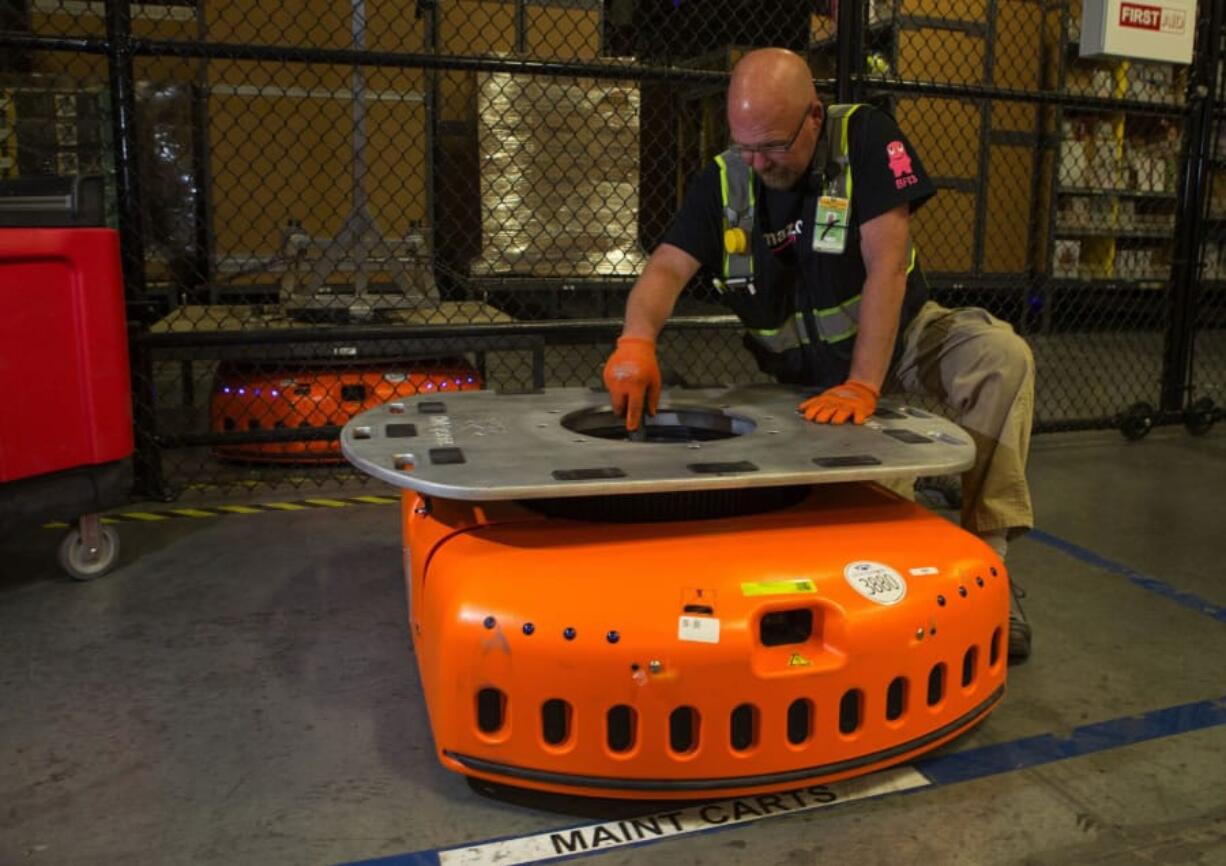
324, 205
1208, 384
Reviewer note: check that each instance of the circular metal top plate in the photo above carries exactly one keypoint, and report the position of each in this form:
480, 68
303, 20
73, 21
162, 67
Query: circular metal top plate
481, 445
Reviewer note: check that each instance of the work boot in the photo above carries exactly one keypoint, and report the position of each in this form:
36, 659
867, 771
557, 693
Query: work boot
940, 491
1019, 627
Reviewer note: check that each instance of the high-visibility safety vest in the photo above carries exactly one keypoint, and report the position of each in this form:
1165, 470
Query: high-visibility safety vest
835, 324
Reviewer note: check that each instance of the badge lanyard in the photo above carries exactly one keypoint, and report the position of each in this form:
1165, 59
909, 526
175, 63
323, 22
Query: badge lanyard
830, 224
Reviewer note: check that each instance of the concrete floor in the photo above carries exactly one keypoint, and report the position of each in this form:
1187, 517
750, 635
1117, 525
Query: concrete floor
241, 690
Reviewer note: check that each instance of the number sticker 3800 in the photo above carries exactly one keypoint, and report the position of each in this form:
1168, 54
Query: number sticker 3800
875, 581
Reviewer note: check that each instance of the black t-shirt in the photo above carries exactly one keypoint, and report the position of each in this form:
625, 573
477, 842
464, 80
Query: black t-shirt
886, 172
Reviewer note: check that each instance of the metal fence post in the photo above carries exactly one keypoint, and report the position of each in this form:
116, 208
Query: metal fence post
147, 461
848, 35
1189, 228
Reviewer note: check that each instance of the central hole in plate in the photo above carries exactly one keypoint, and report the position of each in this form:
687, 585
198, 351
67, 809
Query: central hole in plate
670, 424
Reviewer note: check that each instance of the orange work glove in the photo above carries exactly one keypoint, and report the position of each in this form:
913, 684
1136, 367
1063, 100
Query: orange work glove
632, 377
853, 399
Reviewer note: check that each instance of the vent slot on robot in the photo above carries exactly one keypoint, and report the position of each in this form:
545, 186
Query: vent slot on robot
800, 721
936, 684
970, 661
555, 721
621, 723
851, 711
491, 710
896, 699
743, 728
683, 725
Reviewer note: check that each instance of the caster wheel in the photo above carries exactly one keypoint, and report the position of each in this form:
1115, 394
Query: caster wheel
1137, 421
1200, 416
83, 564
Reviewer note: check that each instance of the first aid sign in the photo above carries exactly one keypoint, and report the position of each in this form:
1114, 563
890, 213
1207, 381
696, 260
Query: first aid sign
1162, 30
1153, 18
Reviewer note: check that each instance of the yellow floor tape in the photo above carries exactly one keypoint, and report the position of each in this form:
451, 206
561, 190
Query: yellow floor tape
227, 510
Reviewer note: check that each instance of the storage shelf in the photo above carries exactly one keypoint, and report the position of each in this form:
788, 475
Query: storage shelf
1109, 232
1122, 241
1148, 284
1122, 193
873, 29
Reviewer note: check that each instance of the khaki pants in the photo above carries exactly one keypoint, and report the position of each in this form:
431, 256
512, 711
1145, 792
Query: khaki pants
983, 373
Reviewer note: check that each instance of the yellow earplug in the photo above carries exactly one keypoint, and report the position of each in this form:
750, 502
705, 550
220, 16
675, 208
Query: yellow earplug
736, 242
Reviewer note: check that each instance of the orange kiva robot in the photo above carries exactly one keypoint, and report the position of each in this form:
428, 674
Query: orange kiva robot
250, 398
733, 630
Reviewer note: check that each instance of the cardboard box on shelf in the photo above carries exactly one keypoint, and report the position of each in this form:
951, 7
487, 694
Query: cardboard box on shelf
1075, 163
1104, 170
1067, 259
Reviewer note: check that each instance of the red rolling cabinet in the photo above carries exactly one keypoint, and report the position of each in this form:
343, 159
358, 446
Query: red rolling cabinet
65, 397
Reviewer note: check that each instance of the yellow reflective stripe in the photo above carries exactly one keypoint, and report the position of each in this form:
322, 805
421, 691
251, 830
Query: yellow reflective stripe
844, 145
843, 132
285, 506
911, 264
723, 200
843, 335
239, 509
330, 503
192, 512
144, 515
376, 500
838, 309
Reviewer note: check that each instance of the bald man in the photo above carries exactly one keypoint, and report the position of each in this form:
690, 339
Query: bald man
803, 224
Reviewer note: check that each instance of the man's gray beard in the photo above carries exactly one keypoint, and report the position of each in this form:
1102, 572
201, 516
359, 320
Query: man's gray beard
778, 181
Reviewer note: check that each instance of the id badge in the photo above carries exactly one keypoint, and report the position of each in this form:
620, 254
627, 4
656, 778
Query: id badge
830, 225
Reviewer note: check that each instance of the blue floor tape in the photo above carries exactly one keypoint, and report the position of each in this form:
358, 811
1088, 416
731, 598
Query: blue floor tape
936, 771
1085, 740
1144, 581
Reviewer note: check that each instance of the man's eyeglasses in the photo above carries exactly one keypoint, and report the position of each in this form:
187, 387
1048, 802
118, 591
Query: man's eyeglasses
748, 151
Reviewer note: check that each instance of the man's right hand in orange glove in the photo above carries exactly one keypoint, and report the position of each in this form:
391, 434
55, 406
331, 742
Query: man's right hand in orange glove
632, 377
852, 401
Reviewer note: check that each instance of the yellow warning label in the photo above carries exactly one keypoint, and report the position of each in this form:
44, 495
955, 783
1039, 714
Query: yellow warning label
798, 661
779, 587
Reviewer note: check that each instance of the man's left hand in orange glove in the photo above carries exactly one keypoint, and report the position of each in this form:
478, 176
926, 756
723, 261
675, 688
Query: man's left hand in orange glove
853, 400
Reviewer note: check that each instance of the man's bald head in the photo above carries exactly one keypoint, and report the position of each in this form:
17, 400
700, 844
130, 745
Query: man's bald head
768, 82
774, 114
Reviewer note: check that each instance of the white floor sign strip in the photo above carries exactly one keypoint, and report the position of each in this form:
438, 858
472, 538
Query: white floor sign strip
662, 825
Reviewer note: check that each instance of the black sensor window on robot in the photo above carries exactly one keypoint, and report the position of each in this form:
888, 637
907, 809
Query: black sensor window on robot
400, 431
908, 436
432, 407
722, 468
444, 456
888, 414
847, 460
590, 474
